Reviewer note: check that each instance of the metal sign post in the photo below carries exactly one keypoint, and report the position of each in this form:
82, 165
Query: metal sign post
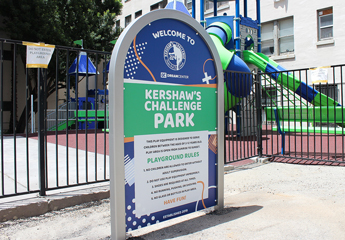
166, 120
38, 55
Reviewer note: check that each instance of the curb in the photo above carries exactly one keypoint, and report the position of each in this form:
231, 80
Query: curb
35, 206
233, 165
228, 168
263, 160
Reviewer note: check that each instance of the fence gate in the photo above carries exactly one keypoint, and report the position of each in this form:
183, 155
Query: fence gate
243, 116
287, 116
53, 122
303, 117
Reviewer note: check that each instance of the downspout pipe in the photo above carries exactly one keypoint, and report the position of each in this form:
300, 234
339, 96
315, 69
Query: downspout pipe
193, 9
258, 19
237, 32
245, 8
202, 16
214, 8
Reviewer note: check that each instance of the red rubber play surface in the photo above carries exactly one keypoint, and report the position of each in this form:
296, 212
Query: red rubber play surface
91, 142
321, 149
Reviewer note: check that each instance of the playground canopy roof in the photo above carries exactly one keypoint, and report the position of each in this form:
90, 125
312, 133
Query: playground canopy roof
82, 64
177, 5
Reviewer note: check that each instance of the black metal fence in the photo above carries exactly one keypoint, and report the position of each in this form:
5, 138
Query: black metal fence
280, 115
68, 104
243, 116
304, 119
288, 117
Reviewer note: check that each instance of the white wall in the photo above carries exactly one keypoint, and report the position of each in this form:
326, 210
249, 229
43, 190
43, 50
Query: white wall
130, 7
307, 52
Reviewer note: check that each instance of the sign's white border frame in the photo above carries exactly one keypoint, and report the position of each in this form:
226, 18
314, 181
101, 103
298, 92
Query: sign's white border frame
116, 114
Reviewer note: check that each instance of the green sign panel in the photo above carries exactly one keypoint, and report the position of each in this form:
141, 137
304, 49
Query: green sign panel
164, 108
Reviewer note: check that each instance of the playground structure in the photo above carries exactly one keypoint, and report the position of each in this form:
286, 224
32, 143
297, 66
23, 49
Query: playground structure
87, 115
238, 41
83, 112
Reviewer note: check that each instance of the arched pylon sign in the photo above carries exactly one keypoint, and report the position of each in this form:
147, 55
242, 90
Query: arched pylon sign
166, 120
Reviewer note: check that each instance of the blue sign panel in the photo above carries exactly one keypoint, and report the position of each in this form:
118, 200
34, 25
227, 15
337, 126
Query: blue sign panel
170, 101
169, 51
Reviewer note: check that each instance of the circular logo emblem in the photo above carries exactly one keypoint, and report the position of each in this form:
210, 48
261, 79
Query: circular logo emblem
174, 56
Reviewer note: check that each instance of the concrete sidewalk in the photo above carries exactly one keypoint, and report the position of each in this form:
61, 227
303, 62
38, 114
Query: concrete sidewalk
29, 205
58, 169
263, 201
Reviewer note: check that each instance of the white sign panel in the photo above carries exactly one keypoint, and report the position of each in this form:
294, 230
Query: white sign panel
319, 75
38, 55
172, 168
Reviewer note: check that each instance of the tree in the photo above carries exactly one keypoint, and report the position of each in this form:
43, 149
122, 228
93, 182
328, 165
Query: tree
59, 22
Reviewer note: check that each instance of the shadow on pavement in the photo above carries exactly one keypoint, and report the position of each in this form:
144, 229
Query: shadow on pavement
200, 223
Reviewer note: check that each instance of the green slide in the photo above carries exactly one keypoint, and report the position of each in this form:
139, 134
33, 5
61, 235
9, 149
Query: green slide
281, 76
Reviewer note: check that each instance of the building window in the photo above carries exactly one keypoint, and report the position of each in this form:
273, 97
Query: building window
267, 40
154, 7
286, 38
208, 4
325, 22
117, 25
277, 37
159, 5
128, 20
188, 4
138, 14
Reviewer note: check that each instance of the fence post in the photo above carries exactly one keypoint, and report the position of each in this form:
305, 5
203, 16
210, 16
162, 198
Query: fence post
41, 152
257, 82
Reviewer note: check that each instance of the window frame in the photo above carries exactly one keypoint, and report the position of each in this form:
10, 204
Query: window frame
138, 14
130, 20
285, 36
188, 4
118, 24
154, 6
208, 5
323, 27
269, 39
276, 37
